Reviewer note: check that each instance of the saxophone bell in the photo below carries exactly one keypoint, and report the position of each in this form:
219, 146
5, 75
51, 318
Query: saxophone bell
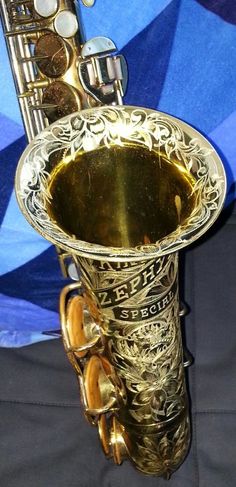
123, 189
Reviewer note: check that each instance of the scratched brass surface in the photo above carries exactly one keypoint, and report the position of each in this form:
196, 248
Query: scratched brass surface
121, 196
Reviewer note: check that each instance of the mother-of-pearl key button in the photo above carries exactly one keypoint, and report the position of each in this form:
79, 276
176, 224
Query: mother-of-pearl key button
66, 24
46, 8
88, 3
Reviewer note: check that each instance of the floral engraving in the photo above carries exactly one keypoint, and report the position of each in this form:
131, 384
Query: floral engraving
89, 129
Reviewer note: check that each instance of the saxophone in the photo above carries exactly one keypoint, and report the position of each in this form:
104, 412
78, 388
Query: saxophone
55, 71
120, 190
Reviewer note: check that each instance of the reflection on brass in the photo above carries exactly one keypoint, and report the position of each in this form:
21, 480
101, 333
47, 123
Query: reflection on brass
64, 96
37, 53
114, 439
119, 441
102, 389
104, 434
56, 61
125, 189
121, 196
97, 385
80, 322
75, 324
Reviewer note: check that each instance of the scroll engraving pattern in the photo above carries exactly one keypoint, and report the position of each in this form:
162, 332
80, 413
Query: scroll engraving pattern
147, 354
165, 453
118, 125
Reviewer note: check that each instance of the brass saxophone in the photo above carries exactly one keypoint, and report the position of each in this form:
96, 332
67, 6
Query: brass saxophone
121, 190
55, 71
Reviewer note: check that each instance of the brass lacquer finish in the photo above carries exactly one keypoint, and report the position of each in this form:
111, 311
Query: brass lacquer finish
55, 71
140, 324
44, 61
132, 195
122, 189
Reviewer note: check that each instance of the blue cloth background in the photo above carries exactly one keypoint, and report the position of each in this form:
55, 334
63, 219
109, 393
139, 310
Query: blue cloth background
182, 59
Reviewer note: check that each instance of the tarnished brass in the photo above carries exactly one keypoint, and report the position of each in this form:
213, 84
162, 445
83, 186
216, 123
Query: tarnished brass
54, 54
64, 99
122, 189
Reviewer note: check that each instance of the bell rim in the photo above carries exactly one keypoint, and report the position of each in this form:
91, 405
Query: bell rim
121, 254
